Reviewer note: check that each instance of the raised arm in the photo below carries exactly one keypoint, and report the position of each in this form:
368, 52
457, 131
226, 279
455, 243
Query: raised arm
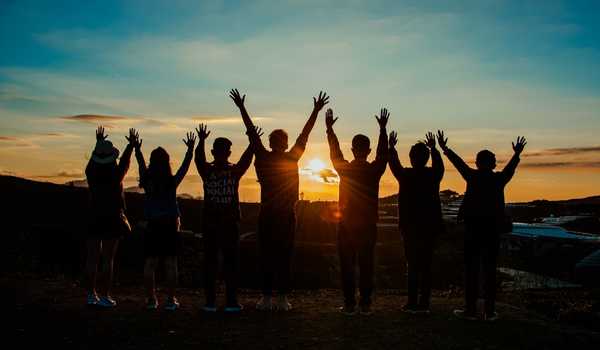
511, 166
139, 156
337, 158
125, 161
200, 154
381, 157
460, 165
254, 138
318, 103
244, 163
189, 141
395, 165
437, 165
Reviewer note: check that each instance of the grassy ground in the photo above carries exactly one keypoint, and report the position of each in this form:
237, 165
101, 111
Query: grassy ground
50, 313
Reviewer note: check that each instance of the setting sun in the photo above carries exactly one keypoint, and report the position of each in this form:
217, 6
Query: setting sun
316, 165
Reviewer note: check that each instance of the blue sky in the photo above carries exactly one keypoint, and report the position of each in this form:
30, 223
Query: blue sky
485, 71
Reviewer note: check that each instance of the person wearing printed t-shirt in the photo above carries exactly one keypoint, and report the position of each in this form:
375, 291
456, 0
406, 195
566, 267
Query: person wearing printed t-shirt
277, 172
221, 216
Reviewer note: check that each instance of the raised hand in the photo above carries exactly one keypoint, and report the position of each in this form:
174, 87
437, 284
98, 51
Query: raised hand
329, 120
441, 140
258, 131
202, 132
393, 139
134, 138
520, 145
238, 99
321, 101
384, 115
430, 140
100, 136
190, 140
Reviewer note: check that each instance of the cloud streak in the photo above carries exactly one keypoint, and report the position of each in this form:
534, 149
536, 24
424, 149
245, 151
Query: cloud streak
563, 151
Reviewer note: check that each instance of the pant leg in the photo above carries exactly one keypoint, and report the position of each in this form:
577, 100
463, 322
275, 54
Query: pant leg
230, 246
425, 258
412, 275
347, 256
211, 264
366, 262
285, 252
472, 266
266, 252
490, 258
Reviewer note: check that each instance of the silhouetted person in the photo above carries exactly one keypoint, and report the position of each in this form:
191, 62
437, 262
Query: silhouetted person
419, 215
277, 172
108, 221
162, 238
358, 209
221, 216
485, 220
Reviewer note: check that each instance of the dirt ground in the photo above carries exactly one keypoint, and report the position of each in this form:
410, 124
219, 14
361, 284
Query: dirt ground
51, 313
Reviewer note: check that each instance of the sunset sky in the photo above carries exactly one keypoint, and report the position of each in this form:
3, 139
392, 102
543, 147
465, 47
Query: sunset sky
484, 71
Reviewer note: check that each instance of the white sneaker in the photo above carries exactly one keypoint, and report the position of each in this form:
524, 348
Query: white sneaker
107, 302
283, 304
92, 299
172, 304
265, 303
152, 304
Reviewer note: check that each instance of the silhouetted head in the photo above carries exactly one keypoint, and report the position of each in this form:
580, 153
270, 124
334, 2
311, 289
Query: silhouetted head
361, 147
221, 149
278, 140
160, 163
485, 160
105, 153
419, 155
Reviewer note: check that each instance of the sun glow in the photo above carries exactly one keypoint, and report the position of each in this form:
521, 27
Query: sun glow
316, 165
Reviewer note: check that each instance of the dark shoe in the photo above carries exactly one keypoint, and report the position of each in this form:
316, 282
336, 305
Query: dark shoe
348, 310
490, 317
423, 310
410, 309
463, 315
365, 310
152, 304
209, 308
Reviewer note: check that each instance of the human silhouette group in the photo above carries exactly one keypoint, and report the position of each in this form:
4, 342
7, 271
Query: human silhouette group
419, 213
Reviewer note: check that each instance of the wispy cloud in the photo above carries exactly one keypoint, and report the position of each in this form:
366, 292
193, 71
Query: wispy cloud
563, 151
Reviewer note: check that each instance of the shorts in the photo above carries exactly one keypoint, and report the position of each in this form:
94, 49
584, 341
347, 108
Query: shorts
162, 237
107, 227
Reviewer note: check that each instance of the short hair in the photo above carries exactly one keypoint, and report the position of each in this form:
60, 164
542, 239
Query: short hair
361, 142
221, 144
419, 154
485, 155
278, 135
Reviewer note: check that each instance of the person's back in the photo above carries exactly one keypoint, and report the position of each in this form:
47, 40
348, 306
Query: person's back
484, 196
359, 191
418, 197
105, 184
277, 174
